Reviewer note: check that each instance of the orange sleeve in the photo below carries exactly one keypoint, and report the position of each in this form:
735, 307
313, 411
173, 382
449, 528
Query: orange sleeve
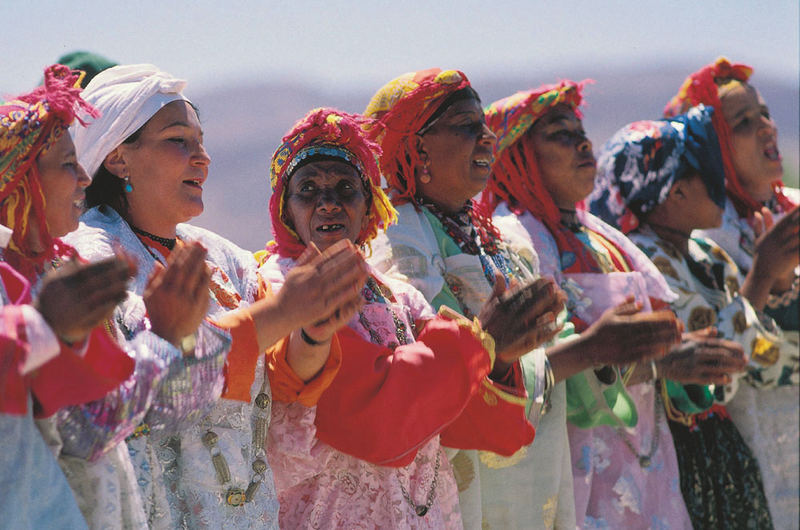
240, 364
287, 387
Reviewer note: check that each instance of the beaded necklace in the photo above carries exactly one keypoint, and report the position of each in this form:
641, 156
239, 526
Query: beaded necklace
466, 228
167, 242
373, 292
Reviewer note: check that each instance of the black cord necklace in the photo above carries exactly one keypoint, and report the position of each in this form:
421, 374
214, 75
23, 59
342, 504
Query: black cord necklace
167, 242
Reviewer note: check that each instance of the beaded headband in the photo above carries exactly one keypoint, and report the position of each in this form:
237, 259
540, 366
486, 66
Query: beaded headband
323, 150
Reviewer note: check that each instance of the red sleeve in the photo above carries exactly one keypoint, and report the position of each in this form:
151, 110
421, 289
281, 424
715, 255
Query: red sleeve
13, 350
384, 404
494, 419
72, 379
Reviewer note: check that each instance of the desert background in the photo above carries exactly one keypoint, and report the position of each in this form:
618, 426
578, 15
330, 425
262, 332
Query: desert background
254, 68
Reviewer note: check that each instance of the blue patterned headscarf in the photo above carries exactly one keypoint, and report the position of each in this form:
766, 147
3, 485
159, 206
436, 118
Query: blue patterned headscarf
640, 163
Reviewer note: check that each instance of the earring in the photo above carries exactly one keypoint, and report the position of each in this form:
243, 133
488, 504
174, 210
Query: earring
127, 186
425, 178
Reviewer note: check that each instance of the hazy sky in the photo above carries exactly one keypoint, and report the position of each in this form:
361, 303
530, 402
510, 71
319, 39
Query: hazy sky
352, 43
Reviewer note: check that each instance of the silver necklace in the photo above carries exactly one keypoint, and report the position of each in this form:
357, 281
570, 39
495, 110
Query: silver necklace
646, 460
422, 509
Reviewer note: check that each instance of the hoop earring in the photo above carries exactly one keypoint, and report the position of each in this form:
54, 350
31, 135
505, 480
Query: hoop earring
425, 178
127, 186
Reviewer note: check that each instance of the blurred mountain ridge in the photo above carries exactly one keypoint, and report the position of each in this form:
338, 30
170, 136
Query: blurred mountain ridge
244, 123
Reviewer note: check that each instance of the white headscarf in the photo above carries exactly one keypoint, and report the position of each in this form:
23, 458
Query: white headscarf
127, 96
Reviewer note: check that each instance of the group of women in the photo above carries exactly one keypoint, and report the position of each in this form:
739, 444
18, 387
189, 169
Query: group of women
462, 318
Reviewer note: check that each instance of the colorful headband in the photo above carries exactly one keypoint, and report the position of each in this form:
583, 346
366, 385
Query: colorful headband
641, 162
325, 132
29, 125
515, 175
323, 150
399, 110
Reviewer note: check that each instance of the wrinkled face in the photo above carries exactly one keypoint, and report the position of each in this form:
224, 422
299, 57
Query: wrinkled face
564, 156
458, 148
326, 202
63, 183
167, 166
754, 138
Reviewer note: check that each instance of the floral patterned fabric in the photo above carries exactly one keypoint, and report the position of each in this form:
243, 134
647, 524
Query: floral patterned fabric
736, 237
708, 282
162, 479
321, 487
611, 489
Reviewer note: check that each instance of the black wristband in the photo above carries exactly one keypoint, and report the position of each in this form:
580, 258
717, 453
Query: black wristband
308, 340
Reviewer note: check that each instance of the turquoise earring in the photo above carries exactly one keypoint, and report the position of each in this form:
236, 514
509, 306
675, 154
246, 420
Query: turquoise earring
127, 187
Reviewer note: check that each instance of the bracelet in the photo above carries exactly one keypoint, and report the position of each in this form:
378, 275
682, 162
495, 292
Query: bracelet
549, 384
308, 340
654, 368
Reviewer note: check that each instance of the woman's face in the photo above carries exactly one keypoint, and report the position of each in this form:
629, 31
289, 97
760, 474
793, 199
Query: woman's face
167, 166
458, 150
63, 183
564, 155
326, 202
754, 137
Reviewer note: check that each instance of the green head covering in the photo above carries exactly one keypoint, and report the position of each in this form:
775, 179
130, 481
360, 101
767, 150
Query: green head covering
88, 62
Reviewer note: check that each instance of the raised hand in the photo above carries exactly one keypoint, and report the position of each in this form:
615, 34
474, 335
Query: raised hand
324, 289
702, 358
778, 246
776, 255
177, 295
624, 335
77, 297
521, 317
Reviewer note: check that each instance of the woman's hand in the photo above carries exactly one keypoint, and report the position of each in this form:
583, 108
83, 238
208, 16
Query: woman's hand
330, 284
77, 297
521, 317
324, 289
177, 295
703, 359
624, 335
777, 251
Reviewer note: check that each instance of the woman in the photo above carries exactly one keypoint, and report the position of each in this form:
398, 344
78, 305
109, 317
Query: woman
55, 352
755, 192
199, 460
668, 177
544, 167
436, 155
368, 451
755, 198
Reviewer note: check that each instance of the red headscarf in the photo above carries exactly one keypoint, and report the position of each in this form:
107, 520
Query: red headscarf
515, 177
399, 110
319, 131
703, 87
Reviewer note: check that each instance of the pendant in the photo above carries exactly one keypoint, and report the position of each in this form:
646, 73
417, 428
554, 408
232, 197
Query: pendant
421, 510
645, 461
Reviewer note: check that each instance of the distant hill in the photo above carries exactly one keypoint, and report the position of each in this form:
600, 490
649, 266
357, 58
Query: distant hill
243, 125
